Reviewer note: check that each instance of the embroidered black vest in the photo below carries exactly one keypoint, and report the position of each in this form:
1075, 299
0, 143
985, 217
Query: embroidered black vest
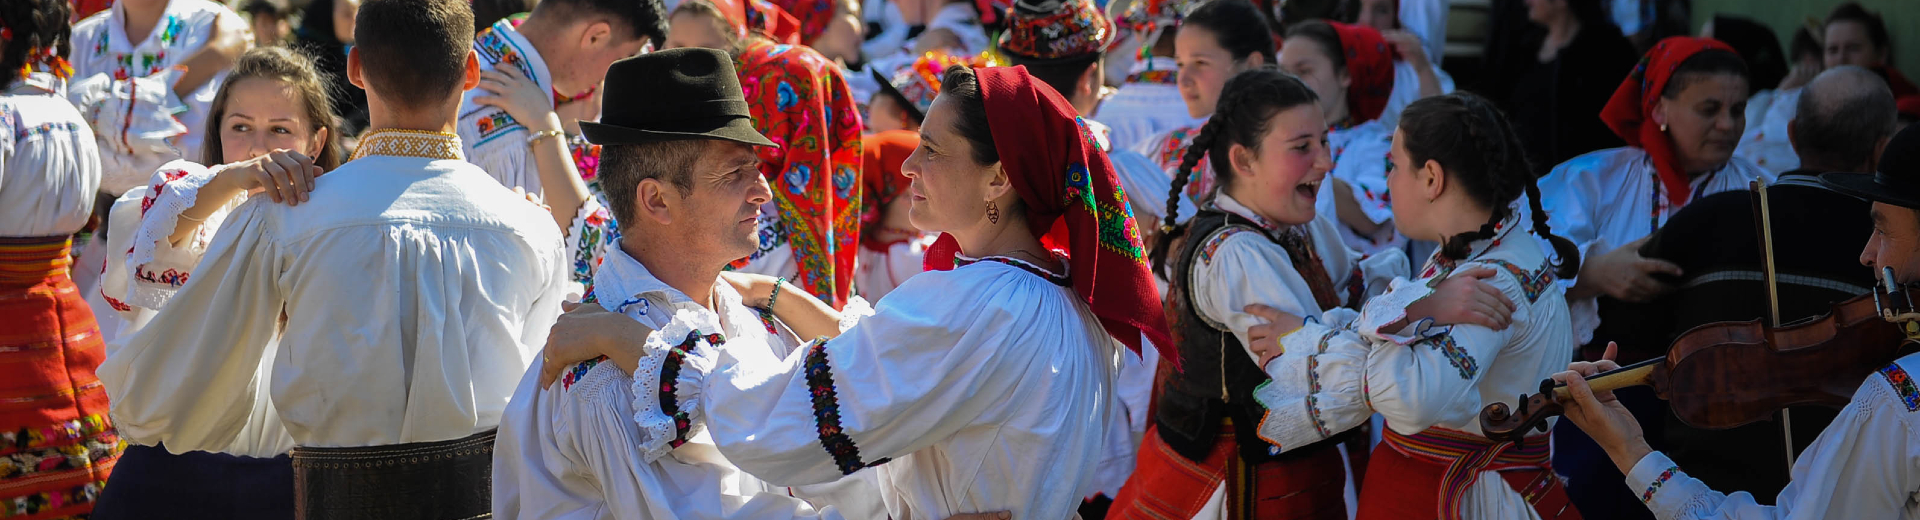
1216, 378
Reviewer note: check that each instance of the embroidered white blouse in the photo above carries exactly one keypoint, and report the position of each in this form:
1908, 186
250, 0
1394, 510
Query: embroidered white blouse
498, 144
1360, 159
49, 163
1765, 142
1140, 110
574, 450
100, 46
1606, 199
1866, 464
1237, 267
1333, 378
414, 290
984, 388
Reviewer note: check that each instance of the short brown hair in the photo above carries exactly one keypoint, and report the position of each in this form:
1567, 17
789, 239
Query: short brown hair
414, 52
623, 166
282, 65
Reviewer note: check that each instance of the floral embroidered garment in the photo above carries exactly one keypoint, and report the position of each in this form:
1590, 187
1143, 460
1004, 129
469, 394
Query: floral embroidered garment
1862, 466
575, 450
1335, 377
983, 388
799, 100
365, 274
498, 144
1609, 198
1166, 150
101, 46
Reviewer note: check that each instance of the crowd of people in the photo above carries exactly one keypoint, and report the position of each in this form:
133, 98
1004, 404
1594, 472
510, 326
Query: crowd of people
931, 259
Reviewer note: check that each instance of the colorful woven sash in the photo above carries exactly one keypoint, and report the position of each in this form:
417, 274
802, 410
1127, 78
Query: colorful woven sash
1466, 455
30, 260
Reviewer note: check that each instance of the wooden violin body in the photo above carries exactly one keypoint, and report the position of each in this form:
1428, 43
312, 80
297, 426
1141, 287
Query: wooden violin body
1724, 375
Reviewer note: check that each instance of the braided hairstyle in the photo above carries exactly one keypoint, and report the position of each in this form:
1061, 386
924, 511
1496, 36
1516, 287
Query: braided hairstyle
1247, 105
35, 26
1482, 153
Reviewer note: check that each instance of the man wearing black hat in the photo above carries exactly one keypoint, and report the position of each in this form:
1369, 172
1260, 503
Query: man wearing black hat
1864, 464
394, 306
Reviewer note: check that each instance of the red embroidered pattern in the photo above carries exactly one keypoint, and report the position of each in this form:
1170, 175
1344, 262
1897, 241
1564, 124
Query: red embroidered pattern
826, 412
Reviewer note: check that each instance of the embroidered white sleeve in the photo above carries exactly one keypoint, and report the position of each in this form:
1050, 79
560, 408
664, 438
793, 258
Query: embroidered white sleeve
682, 347
1318, 387
156, 266
593, 231
1385, 309
856, 309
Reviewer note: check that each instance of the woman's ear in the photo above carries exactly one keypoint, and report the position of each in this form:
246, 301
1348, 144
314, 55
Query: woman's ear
1242, 159
1432, 178
318, 146
998, 182
1660, 113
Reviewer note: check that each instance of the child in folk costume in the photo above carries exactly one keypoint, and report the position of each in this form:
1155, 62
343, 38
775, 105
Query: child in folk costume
272, 124
57, 445
891, 249
1459, 173
1216, 40
1257, 241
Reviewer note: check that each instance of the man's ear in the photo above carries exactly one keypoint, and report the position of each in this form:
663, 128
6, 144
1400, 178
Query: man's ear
653, 201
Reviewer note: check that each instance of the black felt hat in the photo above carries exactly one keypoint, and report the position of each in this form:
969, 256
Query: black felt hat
673, 95
1898, 180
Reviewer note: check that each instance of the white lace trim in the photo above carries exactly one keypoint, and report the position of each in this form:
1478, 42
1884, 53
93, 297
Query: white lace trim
157, 223
856, 309
657, 431
1385, 309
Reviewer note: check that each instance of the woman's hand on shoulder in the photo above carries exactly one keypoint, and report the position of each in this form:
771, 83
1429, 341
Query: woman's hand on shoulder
1465, 298
283, 175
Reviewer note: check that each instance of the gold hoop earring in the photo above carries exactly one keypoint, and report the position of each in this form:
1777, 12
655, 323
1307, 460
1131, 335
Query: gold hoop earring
993, 212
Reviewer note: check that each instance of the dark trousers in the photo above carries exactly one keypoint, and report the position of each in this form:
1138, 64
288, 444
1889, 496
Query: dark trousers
150, 483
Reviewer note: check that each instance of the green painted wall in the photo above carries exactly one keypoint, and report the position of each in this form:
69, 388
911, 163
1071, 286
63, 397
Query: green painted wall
1785, 16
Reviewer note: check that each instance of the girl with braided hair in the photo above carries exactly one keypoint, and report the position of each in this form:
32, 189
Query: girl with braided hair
1215, 40
1459, 174
1255, 241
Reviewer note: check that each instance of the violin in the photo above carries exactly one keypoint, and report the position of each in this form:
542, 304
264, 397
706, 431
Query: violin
1729, 374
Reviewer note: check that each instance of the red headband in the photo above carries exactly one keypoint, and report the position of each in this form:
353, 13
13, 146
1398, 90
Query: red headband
1630, 112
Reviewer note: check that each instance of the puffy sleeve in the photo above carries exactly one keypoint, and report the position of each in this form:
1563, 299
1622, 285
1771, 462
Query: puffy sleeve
1329, 380
919, 371
498, 144
156, 266
1357, 276
1237, 267
1574, 199
1866, 464
218, 331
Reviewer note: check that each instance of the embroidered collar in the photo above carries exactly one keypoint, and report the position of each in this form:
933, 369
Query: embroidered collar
1223, 202
166, 31
1060, 279
1438, 263
410, 143
503, 44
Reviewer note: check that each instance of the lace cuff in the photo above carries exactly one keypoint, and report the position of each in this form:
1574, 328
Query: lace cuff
856, 309
667, 384
1386, 309
592, 232
156, 266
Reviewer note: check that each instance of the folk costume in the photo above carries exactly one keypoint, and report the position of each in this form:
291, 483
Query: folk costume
886, 263
1009, 403
1609, 198
393, 416
101, 46
57, 445
1148, 103
1430, 384
1360, 144
1202, 457
502, 147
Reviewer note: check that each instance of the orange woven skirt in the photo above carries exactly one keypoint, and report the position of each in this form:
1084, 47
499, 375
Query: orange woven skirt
56, 444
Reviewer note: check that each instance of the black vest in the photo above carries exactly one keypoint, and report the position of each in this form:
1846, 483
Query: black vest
1216, 379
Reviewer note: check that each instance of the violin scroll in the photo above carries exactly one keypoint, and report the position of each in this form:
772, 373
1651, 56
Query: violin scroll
1499, 423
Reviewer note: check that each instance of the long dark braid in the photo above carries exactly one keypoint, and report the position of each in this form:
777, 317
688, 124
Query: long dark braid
1247, 103
1480, 151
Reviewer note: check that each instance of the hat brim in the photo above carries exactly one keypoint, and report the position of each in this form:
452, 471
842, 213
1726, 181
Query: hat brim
1865, 186
887, 87
739, 130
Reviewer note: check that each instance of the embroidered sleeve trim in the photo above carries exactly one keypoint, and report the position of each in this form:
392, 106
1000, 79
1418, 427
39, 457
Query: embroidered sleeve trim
1456, 355
1657, 482
1903, 386
667, 384
1534, 283
826, 412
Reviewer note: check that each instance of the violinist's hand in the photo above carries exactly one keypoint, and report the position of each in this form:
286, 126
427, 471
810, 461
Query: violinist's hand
589, 331
1464, 299
1601, 415
1264, 339
1624, 275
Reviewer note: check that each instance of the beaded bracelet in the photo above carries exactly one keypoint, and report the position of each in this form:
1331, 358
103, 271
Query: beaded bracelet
767, 313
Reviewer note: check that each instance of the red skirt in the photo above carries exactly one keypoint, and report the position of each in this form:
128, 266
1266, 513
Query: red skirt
56, 444
1419, 480
1167, 486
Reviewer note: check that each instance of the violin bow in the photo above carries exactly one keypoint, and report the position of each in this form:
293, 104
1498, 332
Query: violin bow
1764, 222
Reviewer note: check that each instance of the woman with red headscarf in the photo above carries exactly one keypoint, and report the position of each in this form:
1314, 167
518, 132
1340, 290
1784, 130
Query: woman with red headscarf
1681, 112
984, 384
810, 232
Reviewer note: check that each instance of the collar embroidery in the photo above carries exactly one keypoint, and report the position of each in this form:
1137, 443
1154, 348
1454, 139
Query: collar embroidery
410, 143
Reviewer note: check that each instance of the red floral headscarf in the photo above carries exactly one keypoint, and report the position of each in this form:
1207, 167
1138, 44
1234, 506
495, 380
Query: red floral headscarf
1630, 112
1369, 66
1073, 198
813, 16
759, 16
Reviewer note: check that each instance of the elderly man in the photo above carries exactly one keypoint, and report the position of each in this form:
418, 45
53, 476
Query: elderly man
1864, 464
1844, 119
678, 162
